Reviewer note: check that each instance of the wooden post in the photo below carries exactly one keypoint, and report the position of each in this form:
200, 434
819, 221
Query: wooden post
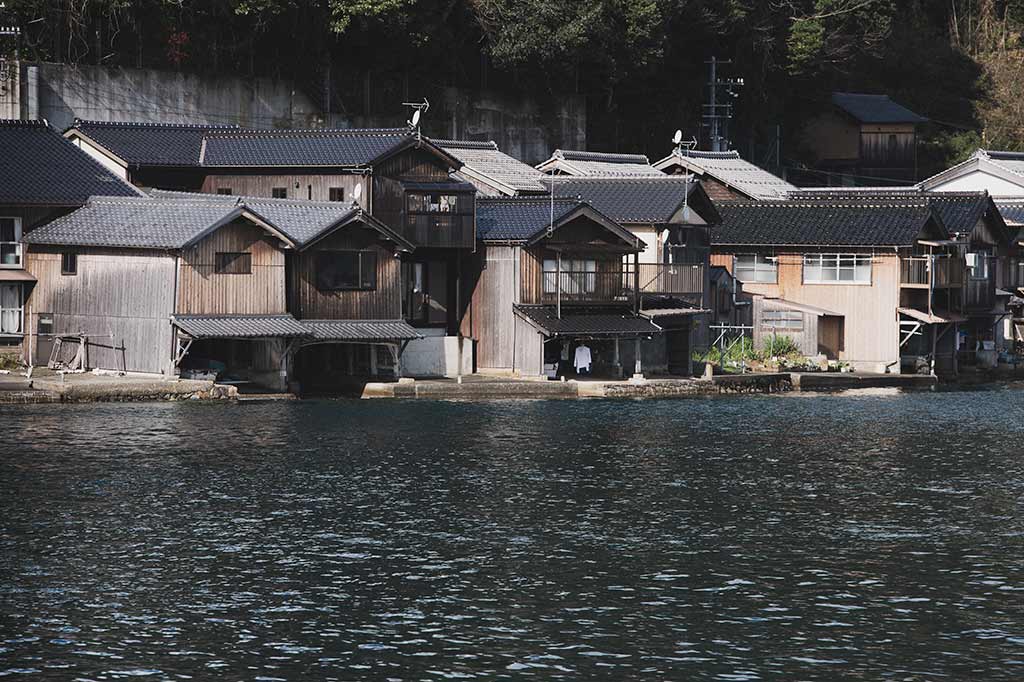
638, 371
373, 359
931, 279
636, 286
558, 286
615, 357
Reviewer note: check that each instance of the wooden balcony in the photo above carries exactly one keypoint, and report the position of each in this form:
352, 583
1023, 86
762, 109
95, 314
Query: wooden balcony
946, 272
619, 285
442, 230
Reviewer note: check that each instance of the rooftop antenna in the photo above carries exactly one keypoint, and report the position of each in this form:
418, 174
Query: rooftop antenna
414, 122
686, 146
357, 194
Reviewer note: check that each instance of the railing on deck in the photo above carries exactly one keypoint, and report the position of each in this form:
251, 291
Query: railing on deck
949, 271
619, 285
675, 278
446, 230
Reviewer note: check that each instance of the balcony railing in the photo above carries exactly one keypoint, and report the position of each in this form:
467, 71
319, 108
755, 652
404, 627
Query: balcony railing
10, 255
948, 271
619, 285
446, 230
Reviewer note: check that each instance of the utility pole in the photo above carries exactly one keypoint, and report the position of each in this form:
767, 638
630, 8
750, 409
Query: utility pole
716, 116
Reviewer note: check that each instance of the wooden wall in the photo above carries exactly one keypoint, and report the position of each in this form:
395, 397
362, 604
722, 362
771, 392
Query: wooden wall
308, 302
529, 349
33, 216
255, 185
491, 315
119, 297
871, 326
201, 290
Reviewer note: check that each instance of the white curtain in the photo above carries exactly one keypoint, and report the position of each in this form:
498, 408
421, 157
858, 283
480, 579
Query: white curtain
10, 308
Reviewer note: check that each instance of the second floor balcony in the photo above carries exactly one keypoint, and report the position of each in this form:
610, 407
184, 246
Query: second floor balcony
937, 272
590, 282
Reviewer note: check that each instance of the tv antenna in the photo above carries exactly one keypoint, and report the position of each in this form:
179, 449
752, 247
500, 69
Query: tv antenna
686, 145
419, 108
357, 194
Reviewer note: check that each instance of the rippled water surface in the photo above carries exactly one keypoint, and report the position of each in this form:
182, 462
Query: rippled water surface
870, 537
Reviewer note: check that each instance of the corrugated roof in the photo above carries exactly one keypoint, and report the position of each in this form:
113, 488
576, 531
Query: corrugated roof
851, 222
518, 219
361, 330
874, 108
629, 200
39, 167
599, 164
583, 322
295, 148
149, 144
486, 161
732, 171
241, 326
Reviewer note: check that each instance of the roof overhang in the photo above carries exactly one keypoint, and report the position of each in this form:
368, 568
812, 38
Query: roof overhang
12, 275
361, 331
936, 316
586, 324
369, 222
72, 133
240, 326
584, 210
785, 304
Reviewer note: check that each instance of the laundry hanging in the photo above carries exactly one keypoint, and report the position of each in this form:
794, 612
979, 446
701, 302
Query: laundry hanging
582, 360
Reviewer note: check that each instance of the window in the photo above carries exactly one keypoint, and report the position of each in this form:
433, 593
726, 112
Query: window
336, 193
978, 265
750, 267
579, 276
11, 311
231, 263
10, 242
224, 190
279, 193
834, 268
341, 270
69, 263
782, 320
433, 203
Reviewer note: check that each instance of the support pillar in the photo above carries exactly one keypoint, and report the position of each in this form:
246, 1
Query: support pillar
616, 362
638, 371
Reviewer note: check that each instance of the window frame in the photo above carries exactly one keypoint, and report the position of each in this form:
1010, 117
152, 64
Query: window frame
20, 310
69, 257
786, 326
582, 276
18, 251
225, 191
278, 192
361, 255
222, 263
760, 264
836, 263
332, 190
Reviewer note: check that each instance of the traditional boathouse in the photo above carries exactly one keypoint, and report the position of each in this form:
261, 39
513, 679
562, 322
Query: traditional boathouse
254, 287
397, 175
869, 280
554, 276
42, 176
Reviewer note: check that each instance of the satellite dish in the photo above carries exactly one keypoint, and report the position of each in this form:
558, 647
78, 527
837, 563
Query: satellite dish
415, 118
357, 193
678, 137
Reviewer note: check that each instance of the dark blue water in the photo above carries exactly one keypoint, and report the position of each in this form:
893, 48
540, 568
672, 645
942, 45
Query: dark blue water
866, 537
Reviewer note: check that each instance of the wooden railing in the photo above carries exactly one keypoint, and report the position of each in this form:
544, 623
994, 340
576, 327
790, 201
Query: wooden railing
445, 230
619, 285
663, 278
948, 271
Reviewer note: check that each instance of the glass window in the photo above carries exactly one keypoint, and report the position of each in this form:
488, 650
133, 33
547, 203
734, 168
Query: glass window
69, 263
836, 268
341, 270
279, 192
433, 203
978, 265
579, 275
10, 242
782, 320
232, 263
336, 193
10, 309
224, 190
750, 267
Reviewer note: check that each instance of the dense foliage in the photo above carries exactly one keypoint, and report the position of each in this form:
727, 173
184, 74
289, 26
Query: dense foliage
640, 63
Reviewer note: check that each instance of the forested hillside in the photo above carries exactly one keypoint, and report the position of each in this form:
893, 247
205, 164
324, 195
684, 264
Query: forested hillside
640, 63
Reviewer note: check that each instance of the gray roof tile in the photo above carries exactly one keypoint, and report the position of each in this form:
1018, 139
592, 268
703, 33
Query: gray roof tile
1012, 211
518, 219
731, 170
874, 108
150, 144
486, 160
587, 322
241, 326
341, 147
629, 200
40, 167
361, 330
600, 164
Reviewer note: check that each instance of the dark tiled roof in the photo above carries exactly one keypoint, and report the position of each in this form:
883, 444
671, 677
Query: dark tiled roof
143, 223
629, 200
39, 167
600, 164
361, 330
573, 155
851, 222
485, 160
1012, 211
874, 108
729, 169
584, 322
150, 144
518, 219
294, 148
241, 326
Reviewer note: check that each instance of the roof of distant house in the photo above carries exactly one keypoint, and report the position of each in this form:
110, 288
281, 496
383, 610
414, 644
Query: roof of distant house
483, 161
148, 144
655, 200
1008, 166
879, 221
732, 171
41, 168
874, 108
525, 219
1012, 211
598, 164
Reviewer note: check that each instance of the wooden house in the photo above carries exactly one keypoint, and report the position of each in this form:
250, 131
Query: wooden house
493, 172
999, 173
725, 176
597, 165
871, 280
870, 136
555, 275
177, 281
42, 176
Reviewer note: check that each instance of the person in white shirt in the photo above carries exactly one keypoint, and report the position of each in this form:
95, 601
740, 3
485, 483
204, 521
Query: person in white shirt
582, 359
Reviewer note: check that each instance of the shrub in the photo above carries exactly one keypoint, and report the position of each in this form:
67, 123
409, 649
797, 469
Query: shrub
780, 346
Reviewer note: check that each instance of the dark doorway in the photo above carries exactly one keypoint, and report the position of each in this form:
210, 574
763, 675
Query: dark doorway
677, 347
830, 336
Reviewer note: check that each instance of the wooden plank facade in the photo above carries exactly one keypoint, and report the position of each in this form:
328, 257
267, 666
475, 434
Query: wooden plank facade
310, 186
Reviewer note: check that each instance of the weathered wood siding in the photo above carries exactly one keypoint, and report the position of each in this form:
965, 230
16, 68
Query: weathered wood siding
32, 216
491, 308
871, 323
201, 290
119, 298
309, 302
310, 186
529, 344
